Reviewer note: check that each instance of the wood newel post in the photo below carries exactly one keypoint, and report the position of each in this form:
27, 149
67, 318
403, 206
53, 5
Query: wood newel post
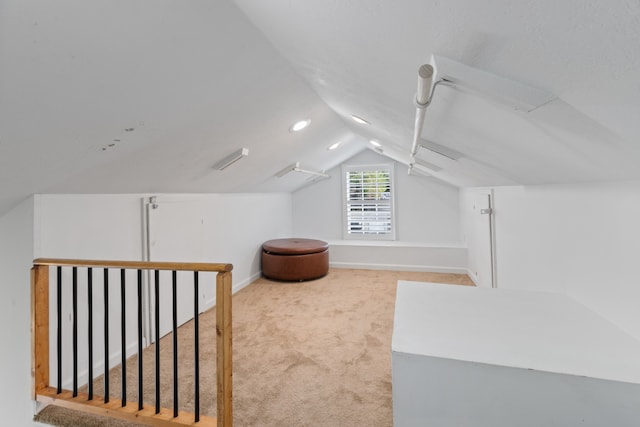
224, 366
39, 328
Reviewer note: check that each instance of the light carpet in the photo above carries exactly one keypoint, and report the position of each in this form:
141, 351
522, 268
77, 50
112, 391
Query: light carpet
314, 353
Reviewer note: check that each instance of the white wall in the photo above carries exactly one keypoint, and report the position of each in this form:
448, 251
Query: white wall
105, 227
426, 210
111, 227
89, 226
603, 267
582, 239
398, 256
16, 256
226, 228
457, 362
426, 215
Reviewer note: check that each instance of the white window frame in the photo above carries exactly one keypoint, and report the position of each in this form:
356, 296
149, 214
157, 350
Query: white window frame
372, 235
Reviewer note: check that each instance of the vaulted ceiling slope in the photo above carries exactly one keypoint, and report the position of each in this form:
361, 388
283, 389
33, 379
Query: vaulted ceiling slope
145, 96
363, 56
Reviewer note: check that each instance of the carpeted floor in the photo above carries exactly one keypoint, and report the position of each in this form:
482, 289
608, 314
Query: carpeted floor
314, 353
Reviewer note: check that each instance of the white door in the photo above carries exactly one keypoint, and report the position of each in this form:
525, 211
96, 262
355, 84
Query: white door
176, 234
480, 245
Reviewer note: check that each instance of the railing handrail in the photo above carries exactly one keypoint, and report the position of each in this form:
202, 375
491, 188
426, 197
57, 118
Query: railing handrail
143, 265
40, 327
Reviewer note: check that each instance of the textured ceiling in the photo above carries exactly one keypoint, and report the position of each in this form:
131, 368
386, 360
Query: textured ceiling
363, 56
116, 96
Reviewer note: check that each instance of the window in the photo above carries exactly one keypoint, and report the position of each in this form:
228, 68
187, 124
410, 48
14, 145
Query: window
368, 202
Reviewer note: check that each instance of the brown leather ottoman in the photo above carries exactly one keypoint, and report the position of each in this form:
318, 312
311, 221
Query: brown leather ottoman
295, 259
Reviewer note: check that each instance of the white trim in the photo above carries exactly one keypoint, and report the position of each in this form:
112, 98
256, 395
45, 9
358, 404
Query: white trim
399, 267
399, 257
238, 286
392, 202
472, 277
208, 304
397, 243
211, 302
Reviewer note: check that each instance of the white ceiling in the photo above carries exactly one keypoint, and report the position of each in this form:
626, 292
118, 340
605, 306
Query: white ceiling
197, 80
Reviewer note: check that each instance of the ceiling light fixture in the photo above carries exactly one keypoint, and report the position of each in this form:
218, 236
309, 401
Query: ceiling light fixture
334, 146
299, 125
417, 172
428, 165
440, 149
295, 167
360, 120
375, 143
231, 159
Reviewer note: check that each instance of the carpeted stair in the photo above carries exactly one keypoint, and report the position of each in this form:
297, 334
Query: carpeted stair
63, 417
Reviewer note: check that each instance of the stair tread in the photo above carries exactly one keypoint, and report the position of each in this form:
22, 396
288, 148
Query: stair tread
64, 417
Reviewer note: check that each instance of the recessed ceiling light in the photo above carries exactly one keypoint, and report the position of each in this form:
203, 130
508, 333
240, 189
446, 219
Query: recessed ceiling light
299, 125
360, 120
375, 143
334, 146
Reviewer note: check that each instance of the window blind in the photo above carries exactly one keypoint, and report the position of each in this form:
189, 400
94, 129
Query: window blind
368, 204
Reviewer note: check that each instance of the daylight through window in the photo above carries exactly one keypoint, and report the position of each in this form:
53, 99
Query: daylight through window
369, 202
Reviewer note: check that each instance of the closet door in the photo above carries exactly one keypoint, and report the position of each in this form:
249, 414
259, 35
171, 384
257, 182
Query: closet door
176, 233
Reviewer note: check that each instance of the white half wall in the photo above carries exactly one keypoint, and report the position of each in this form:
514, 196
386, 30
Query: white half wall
582, 240
399, 256
457, 362
426, 215
16, 256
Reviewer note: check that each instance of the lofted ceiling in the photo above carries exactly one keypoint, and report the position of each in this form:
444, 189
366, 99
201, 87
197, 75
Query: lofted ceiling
144, 96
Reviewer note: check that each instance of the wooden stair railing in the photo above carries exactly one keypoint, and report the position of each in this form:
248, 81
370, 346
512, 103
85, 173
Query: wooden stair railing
43, 391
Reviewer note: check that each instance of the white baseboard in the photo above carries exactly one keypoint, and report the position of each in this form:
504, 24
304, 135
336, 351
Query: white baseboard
255, 276
400, 256
399, 267
472, 277
235, 288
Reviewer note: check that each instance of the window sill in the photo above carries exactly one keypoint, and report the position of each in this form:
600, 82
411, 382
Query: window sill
397, 243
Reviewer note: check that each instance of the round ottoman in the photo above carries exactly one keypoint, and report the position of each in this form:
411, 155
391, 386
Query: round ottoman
295, 259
